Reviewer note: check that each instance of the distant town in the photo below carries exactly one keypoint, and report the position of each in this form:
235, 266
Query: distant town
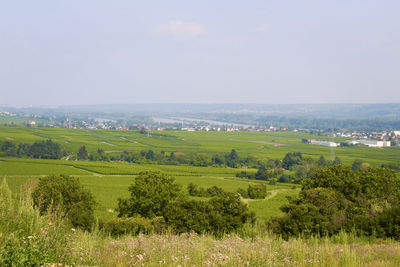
352, 138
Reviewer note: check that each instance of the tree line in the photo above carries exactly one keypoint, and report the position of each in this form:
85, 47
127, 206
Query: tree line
38, 150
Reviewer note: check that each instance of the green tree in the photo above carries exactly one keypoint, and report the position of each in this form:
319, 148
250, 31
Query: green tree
150, 155
357, 164
233, 159
337, 161
219, 215
338, 199
291, 159
65, 193
322, 162
82, 153
149, 195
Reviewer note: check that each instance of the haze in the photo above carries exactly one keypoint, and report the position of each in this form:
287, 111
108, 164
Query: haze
273, 52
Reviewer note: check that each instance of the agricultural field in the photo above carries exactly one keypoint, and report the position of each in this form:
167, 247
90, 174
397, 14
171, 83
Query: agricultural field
271, 145
110, 180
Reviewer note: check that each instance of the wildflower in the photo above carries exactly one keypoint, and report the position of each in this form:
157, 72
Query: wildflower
30, 237
139, 257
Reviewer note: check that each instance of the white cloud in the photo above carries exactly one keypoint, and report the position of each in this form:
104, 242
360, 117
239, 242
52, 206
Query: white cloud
180, 29
263, 28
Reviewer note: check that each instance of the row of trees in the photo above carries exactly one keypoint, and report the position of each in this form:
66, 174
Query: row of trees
232, 159
274, 170
258, 191
38, 150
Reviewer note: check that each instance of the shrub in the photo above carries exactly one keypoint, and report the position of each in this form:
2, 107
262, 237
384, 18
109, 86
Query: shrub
133, 226
150, 194
65, 193
218, 215
26, 237
257, 191
338, 199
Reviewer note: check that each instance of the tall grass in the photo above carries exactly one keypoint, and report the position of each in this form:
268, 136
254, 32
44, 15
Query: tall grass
26, 238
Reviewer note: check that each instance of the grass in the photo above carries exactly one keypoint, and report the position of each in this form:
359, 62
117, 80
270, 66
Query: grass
28, 239
270, 207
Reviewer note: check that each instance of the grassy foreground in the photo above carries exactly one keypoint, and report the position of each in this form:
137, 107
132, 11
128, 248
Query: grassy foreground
26, 238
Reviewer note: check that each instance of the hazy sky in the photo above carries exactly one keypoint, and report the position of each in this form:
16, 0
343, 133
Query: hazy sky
124, 51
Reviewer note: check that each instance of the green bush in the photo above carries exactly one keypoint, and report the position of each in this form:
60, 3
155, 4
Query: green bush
218, 215
254, 192
132, 226
338, 199
65, 194
26, 237
150, 194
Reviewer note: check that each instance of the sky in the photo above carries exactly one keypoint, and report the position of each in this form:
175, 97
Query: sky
74, 52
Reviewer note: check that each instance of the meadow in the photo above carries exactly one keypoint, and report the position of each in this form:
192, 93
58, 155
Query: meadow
29, 239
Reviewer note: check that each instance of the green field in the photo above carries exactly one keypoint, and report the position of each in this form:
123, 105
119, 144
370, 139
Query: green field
110, 180
260, 144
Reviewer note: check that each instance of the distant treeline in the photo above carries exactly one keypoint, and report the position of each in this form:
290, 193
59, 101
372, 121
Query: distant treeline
51, 150
231, 159
38, 150
301, 167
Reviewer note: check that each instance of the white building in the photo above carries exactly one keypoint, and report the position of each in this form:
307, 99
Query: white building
324, 143
371, 143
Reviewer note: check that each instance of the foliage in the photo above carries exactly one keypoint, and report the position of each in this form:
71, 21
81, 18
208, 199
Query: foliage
45, 150
291, 159
66, 194
149, 195
26, 238
336, 198
218, 215
128, 226
82, 153
195, 190
254, 191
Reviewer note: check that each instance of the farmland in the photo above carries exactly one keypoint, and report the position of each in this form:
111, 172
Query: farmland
260, 144
109, 180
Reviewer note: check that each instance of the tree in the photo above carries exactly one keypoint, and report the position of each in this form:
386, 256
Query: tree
322, 162
7, 145
65, 193
233, 159
23, 149
218, 159
337, 161
357, 164
82, 153
45, 150
219, 215
291, 159
150, 194
338, 199
150, 154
